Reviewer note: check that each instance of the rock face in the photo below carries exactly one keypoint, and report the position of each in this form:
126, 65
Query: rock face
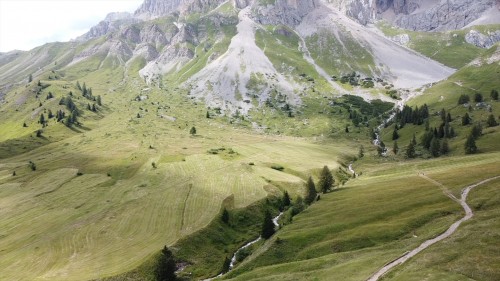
151, 9
287, 12
444, 15
113, 22
481, 40
421, 15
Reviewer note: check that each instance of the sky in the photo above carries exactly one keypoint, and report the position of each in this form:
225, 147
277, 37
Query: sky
25, 24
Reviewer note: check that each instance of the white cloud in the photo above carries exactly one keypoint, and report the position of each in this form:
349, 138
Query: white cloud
25, 24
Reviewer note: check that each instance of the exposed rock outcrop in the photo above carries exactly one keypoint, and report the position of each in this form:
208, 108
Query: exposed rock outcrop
421, 15
287, 12
112, 23
481, 40
401, 39
444, 15
151, 9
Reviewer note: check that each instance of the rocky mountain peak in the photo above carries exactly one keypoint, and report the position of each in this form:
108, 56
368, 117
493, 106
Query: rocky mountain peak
156, 8
421, 15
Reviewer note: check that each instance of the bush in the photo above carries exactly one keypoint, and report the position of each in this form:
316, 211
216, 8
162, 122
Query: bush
463, 99
278, 167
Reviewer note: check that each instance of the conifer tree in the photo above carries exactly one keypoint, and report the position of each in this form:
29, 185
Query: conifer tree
470, 145
42, 119
476, 131
444, 147
466, 119
491, 122
326, 180
226, 266
310, 191
494, 94
410, 150
395, 148
361, 152
165, 266
192, 131
267, 226
225, 216
395, 134
286, 199
435, 147
99, 101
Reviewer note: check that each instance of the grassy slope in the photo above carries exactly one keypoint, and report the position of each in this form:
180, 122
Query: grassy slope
351, 233
340, 55
79, 223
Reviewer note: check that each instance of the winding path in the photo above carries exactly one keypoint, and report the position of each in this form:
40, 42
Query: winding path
428, 243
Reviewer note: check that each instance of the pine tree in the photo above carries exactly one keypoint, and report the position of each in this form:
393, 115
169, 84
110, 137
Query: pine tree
448, 117
410, 150
466, 119
310, 191
442, 113
435, 147
395, 134
42, 119
470, 145
361, 152
476, 131
427, 138
165, 266
226, 266
463, 99
491, 122
78, 85
347, 128
452, 133
208, 115
192, 131
50, 115
94, 108
30, 78
478, 97
225, 216
326, 180
286, 199
267, 226
99, 101
395, 148
444, 147
494, 94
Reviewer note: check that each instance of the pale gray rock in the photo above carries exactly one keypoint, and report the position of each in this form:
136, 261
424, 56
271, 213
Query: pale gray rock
482, 40
401, 39
287, 12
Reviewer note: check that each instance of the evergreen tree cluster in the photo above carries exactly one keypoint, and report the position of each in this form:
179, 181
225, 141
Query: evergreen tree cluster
87, 93
414, 116
72, 118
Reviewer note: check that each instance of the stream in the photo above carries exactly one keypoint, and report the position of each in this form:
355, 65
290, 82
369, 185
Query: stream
233, 258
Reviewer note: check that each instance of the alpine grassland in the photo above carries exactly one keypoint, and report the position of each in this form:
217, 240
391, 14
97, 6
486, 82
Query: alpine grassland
122, 155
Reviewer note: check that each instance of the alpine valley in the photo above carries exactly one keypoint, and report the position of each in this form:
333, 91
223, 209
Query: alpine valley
256, 140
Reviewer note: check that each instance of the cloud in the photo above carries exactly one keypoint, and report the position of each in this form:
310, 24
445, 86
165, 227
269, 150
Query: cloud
25, 24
